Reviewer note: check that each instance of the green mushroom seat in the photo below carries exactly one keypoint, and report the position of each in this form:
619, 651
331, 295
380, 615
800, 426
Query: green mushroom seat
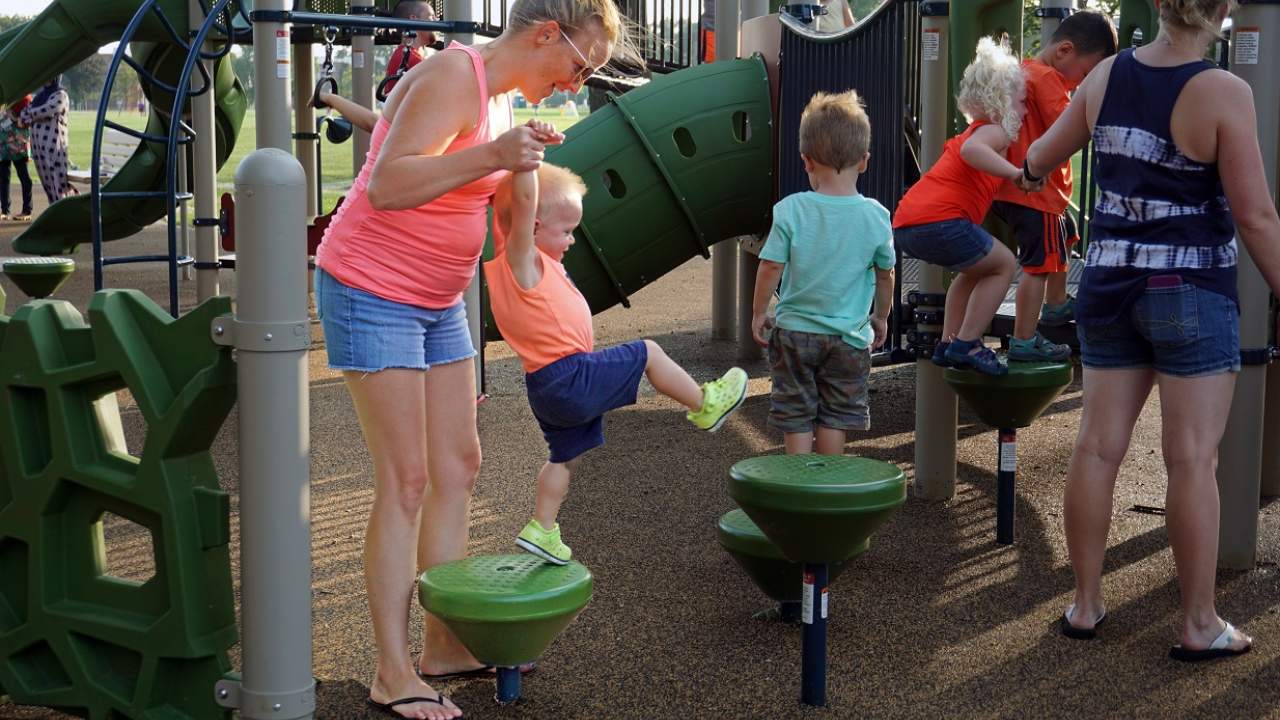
1013, 400
817, 508
506, 609
38, 277
778, 577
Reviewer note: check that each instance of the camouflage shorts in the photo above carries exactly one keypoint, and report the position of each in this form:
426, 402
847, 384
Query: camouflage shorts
817, 378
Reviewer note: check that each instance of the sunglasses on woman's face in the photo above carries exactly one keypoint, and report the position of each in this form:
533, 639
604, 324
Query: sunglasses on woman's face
587, 68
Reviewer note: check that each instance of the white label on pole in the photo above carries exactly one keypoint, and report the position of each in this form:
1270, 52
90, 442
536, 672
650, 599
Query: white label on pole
282, 54
1009, 456
357, 59
930, 43
806, 601
1246, 41
824, 603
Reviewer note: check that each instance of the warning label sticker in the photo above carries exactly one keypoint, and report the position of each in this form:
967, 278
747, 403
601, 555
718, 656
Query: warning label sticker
930, 43
1246, 41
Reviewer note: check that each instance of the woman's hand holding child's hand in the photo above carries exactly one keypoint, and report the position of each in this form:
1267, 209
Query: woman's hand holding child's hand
545, 132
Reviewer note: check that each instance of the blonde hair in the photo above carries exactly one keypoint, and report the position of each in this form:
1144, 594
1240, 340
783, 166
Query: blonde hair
990, 86
835, 130
556, 185
573, 15
1194, 14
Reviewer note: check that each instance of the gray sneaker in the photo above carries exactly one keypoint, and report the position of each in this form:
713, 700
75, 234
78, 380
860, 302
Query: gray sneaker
1058, 315
1037, 349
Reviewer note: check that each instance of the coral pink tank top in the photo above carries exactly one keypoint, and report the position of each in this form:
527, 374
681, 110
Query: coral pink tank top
544, 323
423, 256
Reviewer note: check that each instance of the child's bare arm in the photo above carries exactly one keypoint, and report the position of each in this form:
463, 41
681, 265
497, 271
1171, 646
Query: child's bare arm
984, 151
521, 253
359, 115
767, 277
882, 307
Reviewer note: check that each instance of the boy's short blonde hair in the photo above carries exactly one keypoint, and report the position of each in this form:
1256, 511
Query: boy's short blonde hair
555, 185
990, 85
835, 130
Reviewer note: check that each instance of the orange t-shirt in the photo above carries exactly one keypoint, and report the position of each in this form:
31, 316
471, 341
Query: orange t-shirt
1048, 94
951, 190
547, 322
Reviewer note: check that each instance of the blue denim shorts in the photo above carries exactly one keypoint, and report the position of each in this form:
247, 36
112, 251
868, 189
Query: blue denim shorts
1174, 327
366, 333
570, 396
953, 244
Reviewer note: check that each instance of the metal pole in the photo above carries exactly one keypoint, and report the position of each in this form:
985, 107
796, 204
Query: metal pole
748, 261
1006, 474
361, 81
460, 11
271, 78
1266, 97
270, 332
205, 187
304, 124
1052, 18
724, 254
813, 667
1256, 29
508, 685
936, 405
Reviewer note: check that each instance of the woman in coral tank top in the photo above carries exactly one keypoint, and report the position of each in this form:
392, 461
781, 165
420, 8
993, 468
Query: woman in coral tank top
389, 282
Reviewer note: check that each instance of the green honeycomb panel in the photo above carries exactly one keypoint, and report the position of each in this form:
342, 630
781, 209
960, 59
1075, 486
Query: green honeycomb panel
71, 636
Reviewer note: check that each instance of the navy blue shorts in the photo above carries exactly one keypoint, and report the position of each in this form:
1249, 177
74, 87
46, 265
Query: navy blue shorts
1175, 328
954, 244
570, 396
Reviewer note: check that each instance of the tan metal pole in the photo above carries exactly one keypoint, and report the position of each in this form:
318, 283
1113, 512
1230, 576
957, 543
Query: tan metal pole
304, 121
724, 254
361, 81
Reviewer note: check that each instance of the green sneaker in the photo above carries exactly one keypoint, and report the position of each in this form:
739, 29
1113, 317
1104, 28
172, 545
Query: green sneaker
1058, 315
1037, 349
719, 399
544, 543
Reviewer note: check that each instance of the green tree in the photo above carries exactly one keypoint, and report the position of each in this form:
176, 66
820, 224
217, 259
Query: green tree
84, 81
11, 21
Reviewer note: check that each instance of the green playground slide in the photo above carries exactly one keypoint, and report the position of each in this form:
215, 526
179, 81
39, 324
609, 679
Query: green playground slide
66, 224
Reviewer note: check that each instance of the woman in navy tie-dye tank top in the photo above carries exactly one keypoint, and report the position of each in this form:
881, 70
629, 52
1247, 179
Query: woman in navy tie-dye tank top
1179, 175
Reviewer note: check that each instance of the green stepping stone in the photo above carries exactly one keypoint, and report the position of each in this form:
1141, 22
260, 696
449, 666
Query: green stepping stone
1014, 400
817, 508
506, 609
39, 277
776, 576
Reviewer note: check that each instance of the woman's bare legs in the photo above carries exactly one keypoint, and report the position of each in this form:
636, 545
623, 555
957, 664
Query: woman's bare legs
1112, 401
393, 420
1193, 416
453, 456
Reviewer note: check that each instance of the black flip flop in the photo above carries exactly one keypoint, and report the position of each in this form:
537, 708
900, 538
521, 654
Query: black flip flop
1217, 649
1079, 633
484, 671
389, 708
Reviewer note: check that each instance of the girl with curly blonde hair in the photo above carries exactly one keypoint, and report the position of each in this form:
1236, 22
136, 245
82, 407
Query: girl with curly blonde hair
939, 219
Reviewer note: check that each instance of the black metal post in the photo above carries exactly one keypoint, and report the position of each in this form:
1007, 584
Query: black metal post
508, 685
1008, 470
813, 668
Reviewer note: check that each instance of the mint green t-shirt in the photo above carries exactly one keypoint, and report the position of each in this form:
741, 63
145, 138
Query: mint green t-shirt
831, 246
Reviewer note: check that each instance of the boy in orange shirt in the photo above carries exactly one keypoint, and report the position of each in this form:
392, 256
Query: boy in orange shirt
547, 322
1040, 223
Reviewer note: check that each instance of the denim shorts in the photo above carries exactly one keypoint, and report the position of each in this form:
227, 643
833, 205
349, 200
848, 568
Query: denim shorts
1174, 327
953, 244
366, 333
570, 396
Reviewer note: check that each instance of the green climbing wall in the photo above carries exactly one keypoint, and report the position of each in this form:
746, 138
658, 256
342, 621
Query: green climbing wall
73, 636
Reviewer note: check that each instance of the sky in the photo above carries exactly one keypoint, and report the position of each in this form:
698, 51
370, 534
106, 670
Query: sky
25, 7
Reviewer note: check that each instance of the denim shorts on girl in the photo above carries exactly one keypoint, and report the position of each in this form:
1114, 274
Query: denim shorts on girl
953, 244
366, 333
570, 396
1174, 327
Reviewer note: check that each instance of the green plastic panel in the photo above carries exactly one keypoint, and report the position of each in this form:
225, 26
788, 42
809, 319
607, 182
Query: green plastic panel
39, 277
506, 609
972, 20
671, 168
1138, 15
73, 636
779, 578
67, 222
1014, 400
817, 508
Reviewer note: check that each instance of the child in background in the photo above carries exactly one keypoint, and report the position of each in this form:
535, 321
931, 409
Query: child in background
15, 150
1040, 223
547, 322
939, 219
832, 248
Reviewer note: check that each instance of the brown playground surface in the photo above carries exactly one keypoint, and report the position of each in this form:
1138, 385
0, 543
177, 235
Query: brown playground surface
934, 621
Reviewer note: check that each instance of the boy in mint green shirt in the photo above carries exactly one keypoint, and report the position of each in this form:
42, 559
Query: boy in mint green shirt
832, 248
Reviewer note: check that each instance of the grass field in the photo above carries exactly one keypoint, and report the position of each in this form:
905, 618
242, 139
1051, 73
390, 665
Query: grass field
335, 160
